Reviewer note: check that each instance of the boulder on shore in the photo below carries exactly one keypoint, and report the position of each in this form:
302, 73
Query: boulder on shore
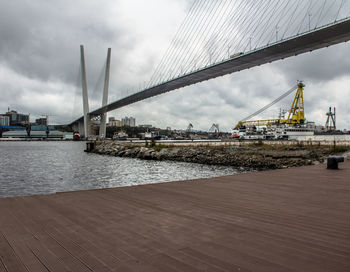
256, 157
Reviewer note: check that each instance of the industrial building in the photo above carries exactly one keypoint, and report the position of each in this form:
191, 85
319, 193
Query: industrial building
17, 118
129, 121
112, 122
4, 120
35, 132
41, 121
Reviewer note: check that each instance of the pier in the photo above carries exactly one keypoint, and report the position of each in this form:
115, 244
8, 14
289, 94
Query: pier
294, 219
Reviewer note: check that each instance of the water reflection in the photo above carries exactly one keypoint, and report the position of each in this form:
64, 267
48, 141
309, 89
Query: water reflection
49, 167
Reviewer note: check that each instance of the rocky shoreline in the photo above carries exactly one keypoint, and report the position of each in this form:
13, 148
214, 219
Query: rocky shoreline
257, 157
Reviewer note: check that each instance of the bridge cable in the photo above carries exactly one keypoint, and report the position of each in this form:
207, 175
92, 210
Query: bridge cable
193, 60
324, 3
173, 43
201, 28
213, 31
226, 32
184, 29
306, 14
209, 34
261, 15
291, 19
270, 16
267, 24
94, 95
257, 23
256, 27
270, 104
279, 17
202, 39
191, 38
233, 24
236, 30
196, 59
183, 41
340, 7
329, 8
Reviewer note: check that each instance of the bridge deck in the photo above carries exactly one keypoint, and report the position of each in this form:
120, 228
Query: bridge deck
315, 39
283, 220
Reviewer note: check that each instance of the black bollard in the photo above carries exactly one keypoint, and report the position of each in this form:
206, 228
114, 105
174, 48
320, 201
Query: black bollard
332, 161
90, 146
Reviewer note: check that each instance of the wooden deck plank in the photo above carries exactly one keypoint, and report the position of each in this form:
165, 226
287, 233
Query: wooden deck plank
19, 242
16, 235
283, 220
40, 225
46, 250
2, 266
226, 265
239, 258
9, 258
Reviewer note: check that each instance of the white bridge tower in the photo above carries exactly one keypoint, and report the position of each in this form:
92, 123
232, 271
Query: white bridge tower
87, 117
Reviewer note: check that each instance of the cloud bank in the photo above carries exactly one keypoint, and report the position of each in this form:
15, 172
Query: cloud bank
39, 66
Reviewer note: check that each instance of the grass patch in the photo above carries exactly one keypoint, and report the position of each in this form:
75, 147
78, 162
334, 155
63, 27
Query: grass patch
159, 147
340, 149
260, 144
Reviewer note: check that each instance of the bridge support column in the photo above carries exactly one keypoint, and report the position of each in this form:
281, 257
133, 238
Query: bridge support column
85, 94
81, 128
102, 132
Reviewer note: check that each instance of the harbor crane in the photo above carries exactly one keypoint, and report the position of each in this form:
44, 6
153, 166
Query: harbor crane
296, 114
214, 128
330, 123
214, 131
189, 127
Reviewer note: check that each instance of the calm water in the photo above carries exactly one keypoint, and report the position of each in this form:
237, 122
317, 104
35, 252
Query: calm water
28, 168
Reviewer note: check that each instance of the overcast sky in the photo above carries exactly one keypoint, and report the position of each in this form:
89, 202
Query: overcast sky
39, 67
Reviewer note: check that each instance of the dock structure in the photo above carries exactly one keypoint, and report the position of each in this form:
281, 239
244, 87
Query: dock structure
293, 219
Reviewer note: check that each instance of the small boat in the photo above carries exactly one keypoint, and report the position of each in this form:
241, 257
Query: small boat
120, 135
76, 136
238, 133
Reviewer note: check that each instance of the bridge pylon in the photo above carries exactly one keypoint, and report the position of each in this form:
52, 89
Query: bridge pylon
86, 128
85, 93
102, 133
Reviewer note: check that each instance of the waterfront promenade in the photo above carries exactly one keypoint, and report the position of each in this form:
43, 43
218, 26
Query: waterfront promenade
294, 219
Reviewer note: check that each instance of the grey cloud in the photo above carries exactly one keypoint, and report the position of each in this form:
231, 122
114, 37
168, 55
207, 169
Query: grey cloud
318, 66
39, 56
41, 39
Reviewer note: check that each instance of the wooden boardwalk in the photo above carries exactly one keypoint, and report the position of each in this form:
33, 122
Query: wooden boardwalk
283, 220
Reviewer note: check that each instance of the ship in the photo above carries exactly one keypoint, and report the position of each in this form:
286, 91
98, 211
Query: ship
281, 128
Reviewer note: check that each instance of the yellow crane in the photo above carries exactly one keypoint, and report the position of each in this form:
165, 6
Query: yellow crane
296, 115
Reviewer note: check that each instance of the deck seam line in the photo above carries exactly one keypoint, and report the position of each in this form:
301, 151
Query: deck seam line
3, 265
14, 252
81, 261
37, 257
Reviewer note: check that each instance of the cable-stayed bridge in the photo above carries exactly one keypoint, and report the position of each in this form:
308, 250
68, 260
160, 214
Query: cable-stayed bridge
220, 37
